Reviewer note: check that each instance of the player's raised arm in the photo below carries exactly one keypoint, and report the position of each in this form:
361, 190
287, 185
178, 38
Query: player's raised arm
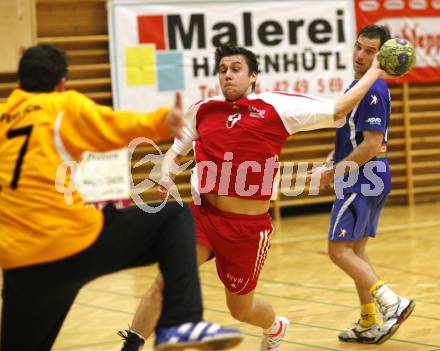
349, 100
181, 146
175, 120
170, 164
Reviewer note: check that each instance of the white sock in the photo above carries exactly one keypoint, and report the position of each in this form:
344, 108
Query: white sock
273, 328
385, 296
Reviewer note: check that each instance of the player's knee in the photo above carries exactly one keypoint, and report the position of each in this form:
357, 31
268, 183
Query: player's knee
336, 253
359, 251
241, 314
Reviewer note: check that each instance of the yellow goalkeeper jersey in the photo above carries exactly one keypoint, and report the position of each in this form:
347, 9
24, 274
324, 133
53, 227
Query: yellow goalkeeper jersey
38, 132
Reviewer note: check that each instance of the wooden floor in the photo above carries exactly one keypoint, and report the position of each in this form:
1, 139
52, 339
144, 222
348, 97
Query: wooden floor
301, 283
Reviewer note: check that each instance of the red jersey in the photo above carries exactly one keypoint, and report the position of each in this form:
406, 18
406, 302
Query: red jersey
237, 144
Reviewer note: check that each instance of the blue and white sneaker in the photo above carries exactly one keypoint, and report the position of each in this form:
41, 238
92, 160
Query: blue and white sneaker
359, 334
201, 335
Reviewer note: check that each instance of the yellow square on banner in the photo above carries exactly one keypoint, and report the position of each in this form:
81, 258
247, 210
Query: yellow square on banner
140, 66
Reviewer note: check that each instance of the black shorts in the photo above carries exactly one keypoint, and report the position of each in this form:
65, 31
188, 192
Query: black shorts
37, 298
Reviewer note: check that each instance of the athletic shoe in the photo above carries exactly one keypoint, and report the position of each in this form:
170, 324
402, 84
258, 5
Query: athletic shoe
271, 342
200, 335
393, 316
132, 341
359, 334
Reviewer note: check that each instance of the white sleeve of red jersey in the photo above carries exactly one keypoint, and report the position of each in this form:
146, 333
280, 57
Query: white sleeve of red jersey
302, 112
183, 143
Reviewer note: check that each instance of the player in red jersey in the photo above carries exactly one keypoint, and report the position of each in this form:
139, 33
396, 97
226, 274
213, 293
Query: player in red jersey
238, 138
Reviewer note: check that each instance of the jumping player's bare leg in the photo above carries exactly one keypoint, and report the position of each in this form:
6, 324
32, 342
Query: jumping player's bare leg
203, 254
248, 309
244, 308
149, 309
148, 312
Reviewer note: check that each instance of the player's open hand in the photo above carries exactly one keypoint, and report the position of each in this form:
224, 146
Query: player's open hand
383, 74
175, 116
321, 177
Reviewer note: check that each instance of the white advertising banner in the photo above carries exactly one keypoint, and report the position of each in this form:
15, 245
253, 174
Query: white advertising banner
159, 47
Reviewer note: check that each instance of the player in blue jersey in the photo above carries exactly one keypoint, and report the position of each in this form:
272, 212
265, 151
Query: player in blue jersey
360, 171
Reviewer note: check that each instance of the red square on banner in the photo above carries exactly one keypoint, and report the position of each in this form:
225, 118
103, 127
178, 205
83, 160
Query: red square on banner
151, 31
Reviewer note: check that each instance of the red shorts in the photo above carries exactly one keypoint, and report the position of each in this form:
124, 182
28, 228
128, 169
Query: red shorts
239, 242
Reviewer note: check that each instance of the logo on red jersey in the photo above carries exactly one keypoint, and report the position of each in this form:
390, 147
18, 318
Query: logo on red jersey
233, 119
256, 113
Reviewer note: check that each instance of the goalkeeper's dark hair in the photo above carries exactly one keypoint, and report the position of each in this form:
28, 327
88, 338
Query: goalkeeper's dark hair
231, 50
41, 68
373, 31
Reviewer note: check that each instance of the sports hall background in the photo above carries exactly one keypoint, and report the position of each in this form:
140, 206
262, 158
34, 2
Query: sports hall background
80, 28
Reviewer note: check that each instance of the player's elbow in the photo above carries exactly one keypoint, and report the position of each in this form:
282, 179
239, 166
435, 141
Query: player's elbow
373, 147
377, 147
339, 112
338, 115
